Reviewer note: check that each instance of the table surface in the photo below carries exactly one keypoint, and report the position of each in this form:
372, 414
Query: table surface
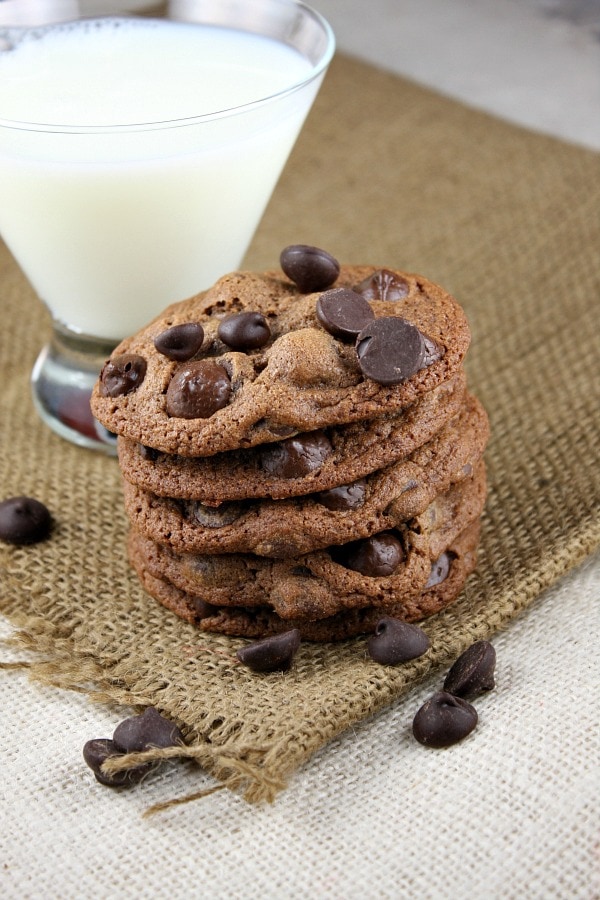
510, 812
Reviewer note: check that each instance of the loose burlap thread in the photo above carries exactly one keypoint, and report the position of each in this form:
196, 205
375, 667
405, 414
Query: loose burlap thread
385, 173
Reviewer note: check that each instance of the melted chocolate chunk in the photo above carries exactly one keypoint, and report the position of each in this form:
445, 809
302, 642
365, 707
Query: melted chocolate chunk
346, 496
296, 456
122, 375
343, 313
180, 342
390, 350
97, 751
383, 285
376, 557
201, 609
245, 331
198, 390
24, 520
310, 268
473, 671
273, 654
440, 569
215, 516
444, 720
396, 641
148, 730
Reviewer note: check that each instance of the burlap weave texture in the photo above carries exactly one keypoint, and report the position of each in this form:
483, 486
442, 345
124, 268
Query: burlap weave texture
384, 173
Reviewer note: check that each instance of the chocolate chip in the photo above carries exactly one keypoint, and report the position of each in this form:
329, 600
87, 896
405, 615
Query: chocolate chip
146, 731
244, 331
444, 720
343, 313
273, 654
296, 456
180, 342
396, 641
198, 390
24, 520
473, 671
376, 556
390, 350
346, 496
202, 609
215, 516
383, 285
97, 751
122, 375
440, 569
309, 268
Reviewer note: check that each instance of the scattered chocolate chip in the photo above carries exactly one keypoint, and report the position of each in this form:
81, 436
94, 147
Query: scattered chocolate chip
296, 456
244, 331
215, 516
97, 751
122, 375
198, 389
390, 350
149, 453
309, 268
396, 641
24, 520
444, 720
180, 342
346, 496
273, 654
440, 569
343, 313
149, 730
376, 556
383, 285
473, 671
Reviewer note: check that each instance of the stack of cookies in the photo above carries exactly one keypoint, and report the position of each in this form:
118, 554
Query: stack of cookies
299, 450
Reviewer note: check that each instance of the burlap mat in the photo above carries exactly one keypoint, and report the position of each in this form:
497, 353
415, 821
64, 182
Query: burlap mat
384, 173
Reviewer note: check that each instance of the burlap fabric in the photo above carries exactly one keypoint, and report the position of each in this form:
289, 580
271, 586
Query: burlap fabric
385, 173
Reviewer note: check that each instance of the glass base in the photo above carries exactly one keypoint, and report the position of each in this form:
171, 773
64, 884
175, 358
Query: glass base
62, 380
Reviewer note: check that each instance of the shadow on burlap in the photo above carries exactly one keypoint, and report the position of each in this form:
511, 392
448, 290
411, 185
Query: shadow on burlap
390, 174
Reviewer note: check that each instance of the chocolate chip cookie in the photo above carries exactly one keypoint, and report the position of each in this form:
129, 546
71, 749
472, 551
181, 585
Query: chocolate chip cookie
308, 462
255, 360
260, 621
282, 528
375, 571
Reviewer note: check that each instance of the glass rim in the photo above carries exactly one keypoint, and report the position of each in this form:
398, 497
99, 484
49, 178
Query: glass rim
316, 71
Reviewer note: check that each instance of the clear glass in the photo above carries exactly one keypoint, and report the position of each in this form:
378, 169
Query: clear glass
112, 222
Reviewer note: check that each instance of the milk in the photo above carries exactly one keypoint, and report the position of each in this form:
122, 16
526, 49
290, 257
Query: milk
136, 189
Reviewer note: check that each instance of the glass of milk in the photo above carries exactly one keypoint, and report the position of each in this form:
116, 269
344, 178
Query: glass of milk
137, 156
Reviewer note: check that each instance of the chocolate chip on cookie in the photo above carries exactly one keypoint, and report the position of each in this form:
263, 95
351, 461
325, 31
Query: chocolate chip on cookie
310, 268
180, 342
439, 569
344, 497
245, 331
383, 285
296, 456
376, 556
122, 375
198, 390
343, 313
390, 350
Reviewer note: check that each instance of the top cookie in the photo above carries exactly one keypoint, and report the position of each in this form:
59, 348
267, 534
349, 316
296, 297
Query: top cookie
253, 360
